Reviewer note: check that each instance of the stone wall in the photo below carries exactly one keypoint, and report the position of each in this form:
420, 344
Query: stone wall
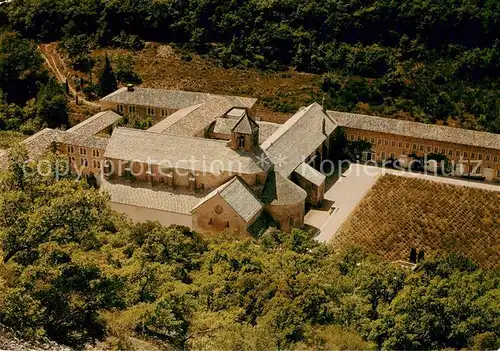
181, 177
288, 216
141, 214
215, 215
385, 145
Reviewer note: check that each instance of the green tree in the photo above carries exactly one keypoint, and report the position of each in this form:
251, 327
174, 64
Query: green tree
107, 80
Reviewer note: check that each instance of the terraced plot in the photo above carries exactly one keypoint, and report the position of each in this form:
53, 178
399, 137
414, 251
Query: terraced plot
400, 213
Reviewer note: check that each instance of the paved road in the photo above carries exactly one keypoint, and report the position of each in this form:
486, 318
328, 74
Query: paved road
348, 192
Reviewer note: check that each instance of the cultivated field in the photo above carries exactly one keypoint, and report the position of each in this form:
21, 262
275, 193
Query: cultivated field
400, 213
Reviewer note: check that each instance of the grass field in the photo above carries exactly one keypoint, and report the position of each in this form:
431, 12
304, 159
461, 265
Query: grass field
160, 66
8, 139
400, 213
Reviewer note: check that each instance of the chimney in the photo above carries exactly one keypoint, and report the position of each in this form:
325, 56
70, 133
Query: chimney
130, 87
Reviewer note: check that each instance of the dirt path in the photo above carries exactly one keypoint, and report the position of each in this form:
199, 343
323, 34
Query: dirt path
51, 62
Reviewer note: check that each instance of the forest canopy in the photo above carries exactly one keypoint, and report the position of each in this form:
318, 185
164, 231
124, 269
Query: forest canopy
75, 271
424, 60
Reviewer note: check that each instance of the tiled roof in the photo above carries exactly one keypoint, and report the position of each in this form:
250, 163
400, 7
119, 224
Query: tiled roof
96, 123
240, 198
155, 197
161, 126
197, 154
309, 173
225, 125
38, 144
245, 125
298, 138
417, 130
171, 99
195, 122
279, 190
84, 140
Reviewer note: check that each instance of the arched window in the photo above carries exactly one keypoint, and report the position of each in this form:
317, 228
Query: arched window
241, 141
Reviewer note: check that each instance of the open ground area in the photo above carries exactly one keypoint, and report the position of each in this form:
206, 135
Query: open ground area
399, 213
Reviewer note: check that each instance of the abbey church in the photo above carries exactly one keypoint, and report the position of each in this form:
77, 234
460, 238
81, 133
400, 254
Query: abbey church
210, 163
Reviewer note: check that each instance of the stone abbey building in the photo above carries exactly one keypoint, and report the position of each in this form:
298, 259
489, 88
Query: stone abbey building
210, 164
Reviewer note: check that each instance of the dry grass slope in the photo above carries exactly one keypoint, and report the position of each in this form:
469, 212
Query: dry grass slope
400, 213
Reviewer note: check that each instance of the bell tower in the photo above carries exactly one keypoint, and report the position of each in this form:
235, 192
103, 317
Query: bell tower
245, 134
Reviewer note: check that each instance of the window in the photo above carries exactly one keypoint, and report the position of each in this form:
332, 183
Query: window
71, 149
457, 153
241, 141
429, 149
95, 153
478, 170
151, 111
73, 159
379, 141
443, 151
421, 148
131, 109
83, 151
407, 145
393, 143
382, 155
472, 155
290, 221
164, 113
488, 157
479, 156
498, 173
386, 142
84, 162
450, 152
120, 108
393, 156
372, 141
353, 137
414, 146
436, 150
465, 154
400, 144
495, 158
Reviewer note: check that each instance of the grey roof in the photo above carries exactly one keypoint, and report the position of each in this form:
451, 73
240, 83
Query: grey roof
146, 196
161, 126
96, 123
239, 197
225, 125
171, 99
245, 125
236, 113
298, 138
38, 144
417, 130
174, 151
196, 121
279, 190
311, 174
77, 139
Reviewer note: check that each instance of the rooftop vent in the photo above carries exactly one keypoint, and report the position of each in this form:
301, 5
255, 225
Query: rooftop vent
130, 87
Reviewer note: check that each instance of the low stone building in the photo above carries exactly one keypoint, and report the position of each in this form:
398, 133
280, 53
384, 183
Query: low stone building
476, 153
209, 165
160, 103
